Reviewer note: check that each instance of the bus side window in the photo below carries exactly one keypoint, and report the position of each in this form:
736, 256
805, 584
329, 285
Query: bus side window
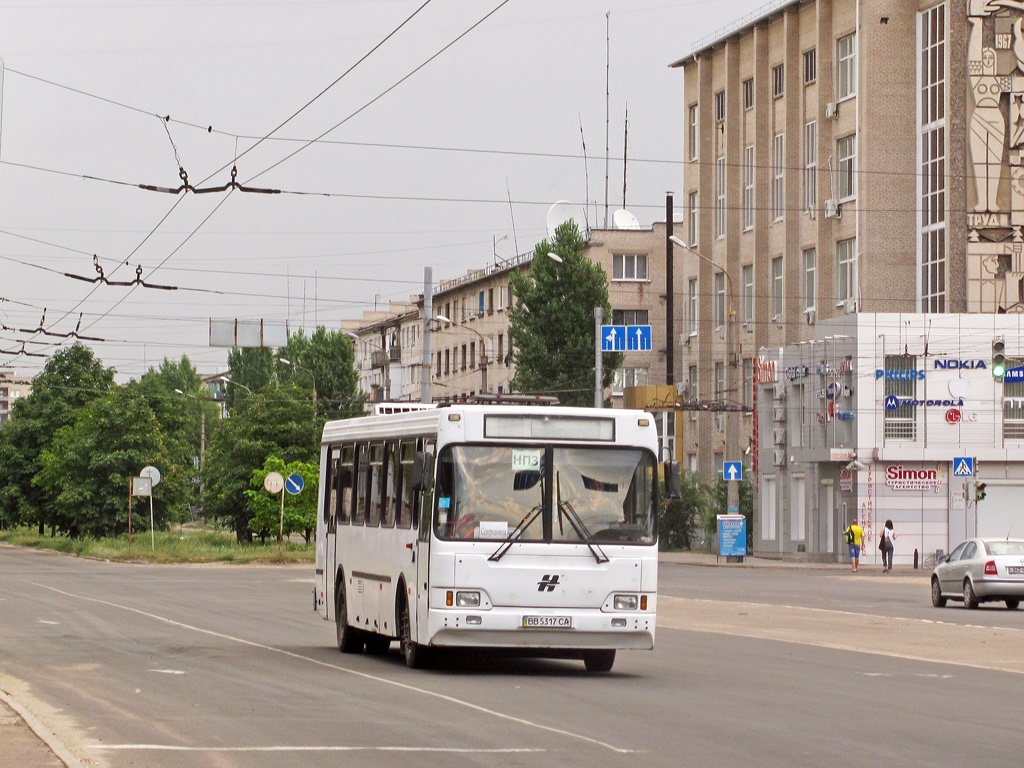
376, 487
423, 506
391, 483
331, 489
406, 456
345, 478
362, 473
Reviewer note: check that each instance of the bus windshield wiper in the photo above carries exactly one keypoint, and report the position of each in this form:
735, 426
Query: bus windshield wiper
525, 523
565, 508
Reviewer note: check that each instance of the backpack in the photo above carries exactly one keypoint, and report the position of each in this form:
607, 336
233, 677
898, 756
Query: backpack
849, 536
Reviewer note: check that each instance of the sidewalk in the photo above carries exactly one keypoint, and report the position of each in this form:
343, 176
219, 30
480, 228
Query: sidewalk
23, 747
714, 561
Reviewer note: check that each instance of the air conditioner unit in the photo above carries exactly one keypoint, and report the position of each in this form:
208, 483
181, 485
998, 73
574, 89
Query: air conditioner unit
850, 306
779, 458
682, 388
777, 319
748, 325
779, 435
778, 413
809, 315
833, 210
832, 110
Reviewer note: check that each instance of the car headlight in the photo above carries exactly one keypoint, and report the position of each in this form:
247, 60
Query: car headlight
625, 602
467, 599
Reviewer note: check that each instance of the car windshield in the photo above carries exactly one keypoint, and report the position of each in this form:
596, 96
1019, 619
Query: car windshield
1005, 547
576, 494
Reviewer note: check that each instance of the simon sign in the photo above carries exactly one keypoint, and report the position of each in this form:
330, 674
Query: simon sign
900, 478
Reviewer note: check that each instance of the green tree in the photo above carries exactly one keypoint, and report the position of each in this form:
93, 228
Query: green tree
682, 517
299, 509
551, 323
250, 369
87, 468
71, 380
326, 359
278, 421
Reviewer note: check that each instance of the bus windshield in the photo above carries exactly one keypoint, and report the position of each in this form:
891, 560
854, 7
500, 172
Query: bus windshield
553, 493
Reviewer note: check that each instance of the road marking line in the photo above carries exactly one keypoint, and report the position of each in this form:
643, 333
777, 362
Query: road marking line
168, 671
364, 675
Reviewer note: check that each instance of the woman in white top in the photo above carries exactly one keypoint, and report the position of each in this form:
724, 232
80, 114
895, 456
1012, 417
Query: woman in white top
886, 545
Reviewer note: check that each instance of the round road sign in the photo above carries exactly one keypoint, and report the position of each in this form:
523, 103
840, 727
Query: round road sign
294, 484
273, 482
152, 473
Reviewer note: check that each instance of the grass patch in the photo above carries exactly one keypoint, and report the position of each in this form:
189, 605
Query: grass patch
188, 545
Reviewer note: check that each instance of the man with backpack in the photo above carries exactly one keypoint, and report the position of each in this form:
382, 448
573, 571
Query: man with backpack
854, 535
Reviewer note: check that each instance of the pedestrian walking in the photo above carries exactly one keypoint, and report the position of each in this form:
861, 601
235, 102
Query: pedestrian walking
886, 546
854, 535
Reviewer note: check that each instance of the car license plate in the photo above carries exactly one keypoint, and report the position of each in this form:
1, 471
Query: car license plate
547, 622
1015, 570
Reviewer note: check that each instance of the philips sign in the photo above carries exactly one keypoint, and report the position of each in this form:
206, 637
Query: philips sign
959, 365
898, 374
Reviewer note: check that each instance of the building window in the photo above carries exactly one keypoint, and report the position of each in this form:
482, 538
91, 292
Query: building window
846, 270
810, 274
748, 187
719, 381
694, 381
693, 308
748, 93
629, 317
720, 197
748, 382
778, 297
846, 159
901, 422
747, 276
932, 231
719, 300
691, 208
778, 80
691, 138
810, 66
629, 267
720, 106
846, 66
628, 377
810, 165
778, 180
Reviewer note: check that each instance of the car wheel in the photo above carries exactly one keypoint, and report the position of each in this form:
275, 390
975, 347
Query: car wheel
599, 661
970, 598
416, 655
938, 601
350, 639
1013, 603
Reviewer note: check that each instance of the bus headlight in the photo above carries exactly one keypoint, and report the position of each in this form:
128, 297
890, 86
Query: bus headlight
467, 599
625, 602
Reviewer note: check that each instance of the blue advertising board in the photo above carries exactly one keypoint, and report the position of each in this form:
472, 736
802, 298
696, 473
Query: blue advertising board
732, 536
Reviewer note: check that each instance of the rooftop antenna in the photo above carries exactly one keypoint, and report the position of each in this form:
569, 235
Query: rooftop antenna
511, 214
625, 146
586, 175
607, 56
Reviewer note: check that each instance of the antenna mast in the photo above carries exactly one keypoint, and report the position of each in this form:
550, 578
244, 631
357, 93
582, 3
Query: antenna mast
625, 147
607, 55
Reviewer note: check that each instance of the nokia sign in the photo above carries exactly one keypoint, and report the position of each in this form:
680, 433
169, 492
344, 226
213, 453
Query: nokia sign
962, 365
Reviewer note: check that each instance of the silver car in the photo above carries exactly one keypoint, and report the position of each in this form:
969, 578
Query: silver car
981, 571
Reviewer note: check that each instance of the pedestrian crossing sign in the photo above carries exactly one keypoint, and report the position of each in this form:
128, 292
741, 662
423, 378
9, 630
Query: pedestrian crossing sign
963, 466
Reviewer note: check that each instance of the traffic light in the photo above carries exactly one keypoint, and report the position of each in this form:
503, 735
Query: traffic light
998, 358
979, 491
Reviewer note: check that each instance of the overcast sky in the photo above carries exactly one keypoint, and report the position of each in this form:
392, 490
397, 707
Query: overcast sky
454, 167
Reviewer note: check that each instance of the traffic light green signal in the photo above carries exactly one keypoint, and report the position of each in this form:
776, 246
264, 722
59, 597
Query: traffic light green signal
979, 491
998, 359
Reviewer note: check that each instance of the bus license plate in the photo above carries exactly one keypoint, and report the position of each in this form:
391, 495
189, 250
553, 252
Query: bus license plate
547, 622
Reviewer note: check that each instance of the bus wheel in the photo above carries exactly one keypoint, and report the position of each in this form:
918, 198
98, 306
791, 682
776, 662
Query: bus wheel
599, 661
350, 639
414, 653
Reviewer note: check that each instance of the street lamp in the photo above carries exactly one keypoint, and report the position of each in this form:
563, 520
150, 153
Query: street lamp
732, 424
286, 361
236, 384
483, 349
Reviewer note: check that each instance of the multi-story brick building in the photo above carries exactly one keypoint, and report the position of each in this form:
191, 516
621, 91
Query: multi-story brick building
845, 157
11, 389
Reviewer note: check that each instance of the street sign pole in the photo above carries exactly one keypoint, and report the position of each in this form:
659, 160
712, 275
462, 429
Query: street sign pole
598, 358
280, 532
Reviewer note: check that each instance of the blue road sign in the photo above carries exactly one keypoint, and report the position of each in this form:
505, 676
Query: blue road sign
732, 470
638, 338
294, 484
613, 338
963, 466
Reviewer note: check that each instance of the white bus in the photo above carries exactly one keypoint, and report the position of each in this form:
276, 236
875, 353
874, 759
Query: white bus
520, 527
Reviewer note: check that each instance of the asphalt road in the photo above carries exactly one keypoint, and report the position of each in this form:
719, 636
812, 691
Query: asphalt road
132, 665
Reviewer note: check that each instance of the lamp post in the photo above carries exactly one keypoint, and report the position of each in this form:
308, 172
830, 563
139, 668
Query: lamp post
732, 424
483, 349
202, 434
286, 361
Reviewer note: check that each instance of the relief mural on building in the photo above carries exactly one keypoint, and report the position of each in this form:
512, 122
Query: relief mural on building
995, 213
